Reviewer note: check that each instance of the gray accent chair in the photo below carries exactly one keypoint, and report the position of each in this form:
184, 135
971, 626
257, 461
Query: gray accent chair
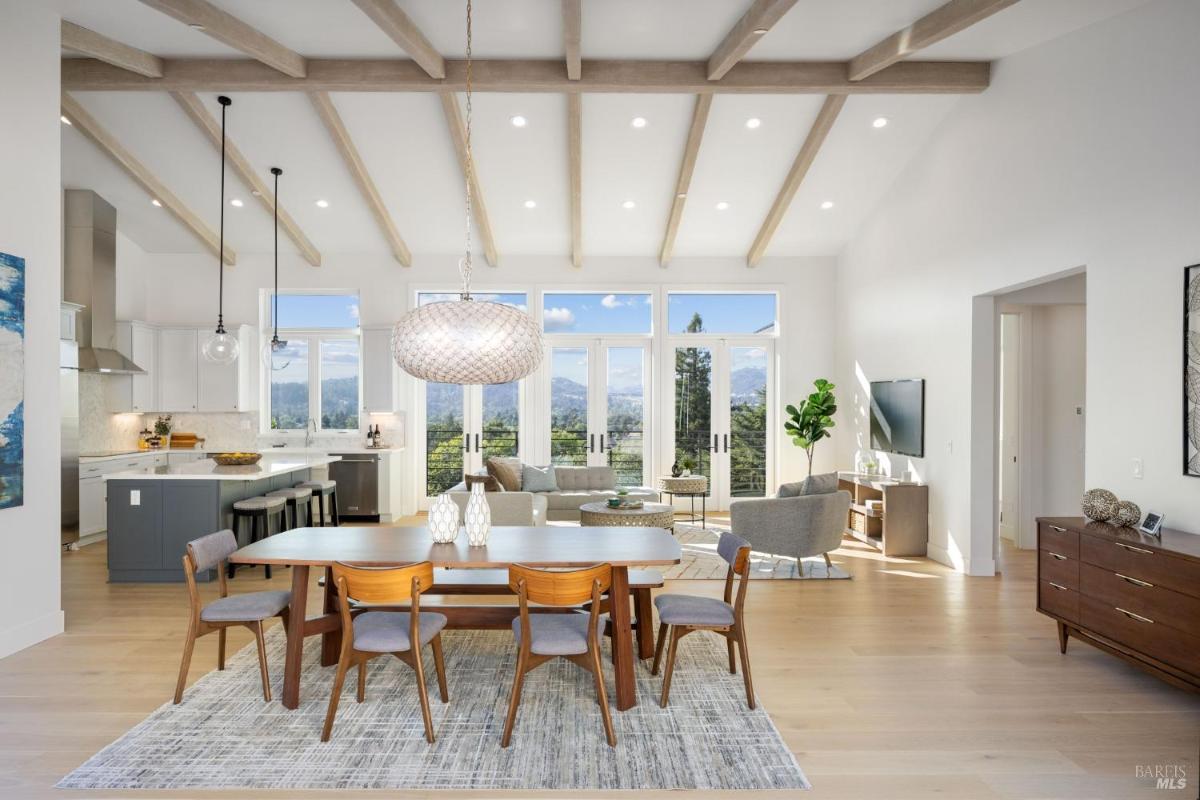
804, 519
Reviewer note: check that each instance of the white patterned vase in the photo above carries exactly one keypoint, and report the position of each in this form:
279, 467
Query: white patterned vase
478, 517
443, 520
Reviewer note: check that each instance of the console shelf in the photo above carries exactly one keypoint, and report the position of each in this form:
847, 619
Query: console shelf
899, 525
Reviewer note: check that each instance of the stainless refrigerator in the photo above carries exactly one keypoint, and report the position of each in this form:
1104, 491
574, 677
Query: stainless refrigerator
68, 386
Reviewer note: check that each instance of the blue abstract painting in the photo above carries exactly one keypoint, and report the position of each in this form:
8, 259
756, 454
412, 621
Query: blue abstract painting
12, 381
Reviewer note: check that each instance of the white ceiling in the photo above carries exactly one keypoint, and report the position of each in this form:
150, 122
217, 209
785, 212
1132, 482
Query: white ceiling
403, 137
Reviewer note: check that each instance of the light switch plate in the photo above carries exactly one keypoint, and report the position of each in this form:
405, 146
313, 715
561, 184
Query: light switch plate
135, 497
1138, 468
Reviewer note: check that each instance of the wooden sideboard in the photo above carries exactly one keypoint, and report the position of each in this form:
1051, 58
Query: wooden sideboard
1129, 594
899, 526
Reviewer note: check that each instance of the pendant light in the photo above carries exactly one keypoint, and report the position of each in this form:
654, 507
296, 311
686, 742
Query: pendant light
221, 347
467, 341
275, 345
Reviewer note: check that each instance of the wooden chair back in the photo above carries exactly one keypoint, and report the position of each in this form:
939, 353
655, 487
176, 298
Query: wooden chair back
381, 585
569, 588
207, 552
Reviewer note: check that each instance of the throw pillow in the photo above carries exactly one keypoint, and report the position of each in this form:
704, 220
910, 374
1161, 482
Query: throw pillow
490, 484
790, 489
820, 484
538, 479
507, 471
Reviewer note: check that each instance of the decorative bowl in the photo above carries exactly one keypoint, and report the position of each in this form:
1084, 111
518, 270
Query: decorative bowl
236, 459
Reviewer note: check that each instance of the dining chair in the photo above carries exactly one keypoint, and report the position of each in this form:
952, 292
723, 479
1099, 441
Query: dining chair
542, 637
681, 614
247, 610
367, 634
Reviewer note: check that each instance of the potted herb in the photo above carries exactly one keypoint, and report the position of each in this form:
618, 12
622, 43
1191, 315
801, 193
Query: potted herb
811, 422
688, 464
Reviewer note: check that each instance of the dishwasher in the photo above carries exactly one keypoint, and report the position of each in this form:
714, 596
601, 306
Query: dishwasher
357, 477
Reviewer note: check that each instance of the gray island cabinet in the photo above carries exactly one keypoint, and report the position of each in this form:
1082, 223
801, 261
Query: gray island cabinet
153, 515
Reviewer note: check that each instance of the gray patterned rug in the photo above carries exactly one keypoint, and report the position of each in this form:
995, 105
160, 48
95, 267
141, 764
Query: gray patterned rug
701, 562
224, 736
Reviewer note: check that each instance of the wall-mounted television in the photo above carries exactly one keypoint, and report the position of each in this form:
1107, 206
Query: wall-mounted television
898, 417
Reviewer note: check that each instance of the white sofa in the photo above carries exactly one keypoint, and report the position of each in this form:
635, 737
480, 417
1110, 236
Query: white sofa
508, 508
576, 486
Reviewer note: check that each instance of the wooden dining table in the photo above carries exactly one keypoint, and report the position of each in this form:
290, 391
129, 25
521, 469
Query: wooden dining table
543, 546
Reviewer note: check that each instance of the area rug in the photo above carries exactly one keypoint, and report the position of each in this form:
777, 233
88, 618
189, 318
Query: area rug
701, 562
224, 736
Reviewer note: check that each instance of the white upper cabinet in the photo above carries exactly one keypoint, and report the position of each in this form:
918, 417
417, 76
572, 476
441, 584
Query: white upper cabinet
178, 362
229, 387
138, 342
378, 371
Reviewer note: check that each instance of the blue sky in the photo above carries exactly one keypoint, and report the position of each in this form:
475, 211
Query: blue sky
318, 311
721, 313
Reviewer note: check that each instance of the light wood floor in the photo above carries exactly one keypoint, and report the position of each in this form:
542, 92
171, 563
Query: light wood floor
908, 681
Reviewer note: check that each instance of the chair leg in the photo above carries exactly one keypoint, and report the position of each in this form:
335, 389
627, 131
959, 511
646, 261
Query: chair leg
828, 565
262, 660
732, 656
322, 508
188, 645
423, 693
663, 630
439, 663
670, 666
230, 567
605, 714
334, 695
514, 701
266, 523
333, 504
741, 634
362, 681
221, 649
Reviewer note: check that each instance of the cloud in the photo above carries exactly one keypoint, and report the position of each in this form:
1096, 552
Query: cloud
353, 309
558, 319
611, 301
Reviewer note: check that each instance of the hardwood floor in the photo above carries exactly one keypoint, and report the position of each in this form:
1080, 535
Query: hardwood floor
909, 681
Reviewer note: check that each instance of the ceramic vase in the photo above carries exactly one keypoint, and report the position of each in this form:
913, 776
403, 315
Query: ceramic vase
478, 517
443, 519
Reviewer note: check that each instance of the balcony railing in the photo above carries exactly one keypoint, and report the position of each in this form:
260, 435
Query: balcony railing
443, 459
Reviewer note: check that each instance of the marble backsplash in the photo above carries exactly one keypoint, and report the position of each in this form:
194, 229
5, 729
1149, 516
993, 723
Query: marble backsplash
219, 431
100, 430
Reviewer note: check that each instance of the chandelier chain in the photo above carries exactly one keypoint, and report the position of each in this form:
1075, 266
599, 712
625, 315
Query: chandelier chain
468, 169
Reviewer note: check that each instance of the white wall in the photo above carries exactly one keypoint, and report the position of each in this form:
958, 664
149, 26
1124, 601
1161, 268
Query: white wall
1082, 152
30, 216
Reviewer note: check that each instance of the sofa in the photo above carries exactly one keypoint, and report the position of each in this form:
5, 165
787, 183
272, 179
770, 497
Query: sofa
576, 486
803, 519
508, 508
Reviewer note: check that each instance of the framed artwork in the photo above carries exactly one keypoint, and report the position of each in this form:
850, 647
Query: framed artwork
1191, 371
12, 381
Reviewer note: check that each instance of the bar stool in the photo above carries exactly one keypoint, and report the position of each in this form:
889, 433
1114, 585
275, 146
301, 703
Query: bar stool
256, 510
296, 496
322, 490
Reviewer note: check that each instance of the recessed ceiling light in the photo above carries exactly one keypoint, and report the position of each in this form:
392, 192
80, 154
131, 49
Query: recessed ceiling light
638, 122
628, 204
518, 121
156, 203
721, 206
531, 204
65, 120
753, 123
236, 202
322, 204
828, 204
880, 122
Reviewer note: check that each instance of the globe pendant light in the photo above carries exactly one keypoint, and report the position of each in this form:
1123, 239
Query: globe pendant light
276, 345
221, 347
467, 341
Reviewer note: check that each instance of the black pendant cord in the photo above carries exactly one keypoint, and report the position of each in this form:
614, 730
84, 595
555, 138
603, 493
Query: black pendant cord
276, 171
225, 103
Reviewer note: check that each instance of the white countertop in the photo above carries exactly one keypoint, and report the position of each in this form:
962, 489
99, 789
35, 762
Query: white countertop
267, 450
208, 470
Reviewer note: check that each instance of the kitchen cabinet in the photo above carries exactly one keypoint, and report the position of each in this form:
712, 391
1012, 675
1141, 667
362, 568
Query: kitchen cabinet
68, 320
178, 369
138, 342
93, 507
379, 376
229, 387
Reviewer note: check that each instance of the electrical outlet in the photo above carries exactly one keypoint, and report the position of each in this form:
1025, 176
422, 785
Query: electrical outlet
135, 497
1138, 471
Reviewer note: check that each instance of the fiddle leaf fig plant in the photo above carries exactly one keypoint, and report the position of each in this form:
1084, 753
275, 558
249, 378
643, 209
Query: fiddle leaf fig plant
811, 422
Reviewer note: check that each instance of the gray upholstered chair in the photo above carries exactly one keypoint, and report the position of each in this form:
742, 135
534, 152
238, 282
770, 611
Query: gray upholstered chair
247, 610
681, 614
804, 519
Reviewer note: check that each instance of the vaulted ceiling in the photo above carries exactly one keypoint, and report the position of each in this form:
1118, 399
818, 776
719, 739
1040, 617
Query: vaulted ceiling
405, 147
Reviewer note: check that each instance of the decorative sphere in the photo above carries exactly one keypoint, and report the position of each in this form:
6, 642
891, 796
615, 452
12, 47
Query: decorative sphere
467, 342
1128, 514
1099, 505
221, 348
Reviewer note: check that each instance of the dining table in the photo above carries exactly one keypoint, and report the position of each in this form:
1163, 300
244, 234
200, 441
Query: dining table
541, 546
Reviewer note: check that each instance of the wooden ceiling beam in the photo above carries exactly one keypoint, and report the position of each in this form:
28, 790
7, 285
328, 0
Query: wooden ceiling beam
203, 16
947, 20
804, 159
572, 15
392, 20
211, 128
110, 51
575, 173
690, 151
655, 77
758, 19
358, 171
458, 133
86, 124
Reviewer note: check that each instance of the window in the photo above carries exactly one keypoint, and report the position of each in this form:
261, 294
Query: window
597, 312
315, 379
732, 312
516, 299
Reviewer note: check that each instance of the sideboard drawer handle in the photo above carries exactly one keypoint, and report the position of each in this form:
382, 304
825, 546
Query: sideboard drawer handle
1055, 555
1057, 586
1056, 528
1134, 581
1134, 616
1133, 549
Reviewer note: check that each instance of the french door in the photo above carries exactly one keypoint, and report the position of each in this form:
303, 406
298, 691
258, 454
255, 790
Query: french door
599, 402
466, 425
724, 414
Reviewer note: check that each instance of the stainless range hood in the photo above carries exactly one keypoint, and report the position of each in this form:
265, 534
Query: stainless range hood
90, 279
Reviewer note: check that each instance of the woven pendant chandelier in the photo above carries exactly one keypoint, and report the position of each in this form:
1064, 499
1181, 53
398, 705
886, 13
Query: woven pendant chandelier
467, 341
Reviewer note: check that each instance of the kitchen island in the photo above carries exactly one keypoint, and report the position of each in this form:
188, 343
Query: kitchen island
152, 515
